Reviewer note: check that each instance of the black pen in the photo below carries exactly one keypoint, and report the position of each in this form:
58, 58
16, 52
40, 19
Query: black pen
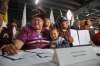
38, 54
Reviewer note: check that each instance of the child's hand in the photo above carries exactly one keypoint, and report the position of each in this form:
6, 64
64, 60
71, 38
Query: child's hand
53, 46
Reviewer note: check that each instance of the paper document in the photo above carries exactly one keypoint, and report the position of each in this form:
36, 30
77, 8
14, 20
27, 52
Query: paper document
16, 56
81, 37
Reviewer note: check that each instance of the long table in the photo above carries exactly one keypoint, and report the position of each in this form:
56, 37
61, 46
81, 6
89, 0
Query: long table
29, 59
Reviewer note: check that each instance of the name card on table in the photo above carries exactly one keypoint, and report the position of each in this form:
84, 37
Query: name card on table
67, 56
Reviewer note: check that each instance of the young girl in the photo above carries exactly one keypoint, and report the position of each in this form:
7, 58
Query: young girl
56, 40
48, 24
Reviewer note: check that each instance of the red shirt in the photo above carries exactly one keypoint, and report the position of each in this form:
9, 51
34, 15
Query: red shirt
97, 36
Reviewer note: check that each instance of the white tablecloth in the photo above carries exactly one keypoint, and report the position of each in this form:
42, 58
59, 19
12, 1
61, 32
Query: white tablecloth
30, 60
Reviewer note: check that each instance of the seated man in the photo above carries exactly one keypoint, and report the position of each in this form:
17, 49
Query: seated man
30, 37
87, 24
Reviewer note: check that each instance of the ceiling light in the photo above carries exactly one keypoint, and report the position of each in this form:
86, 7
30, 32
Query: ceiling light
36, 2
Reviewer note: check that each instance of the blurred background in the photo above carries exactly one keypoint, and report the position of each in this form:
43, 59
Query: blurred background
80, 8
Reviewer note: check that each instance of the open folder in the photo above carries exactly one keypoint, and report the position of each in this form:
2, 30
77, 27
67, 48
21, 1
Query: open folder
81, 37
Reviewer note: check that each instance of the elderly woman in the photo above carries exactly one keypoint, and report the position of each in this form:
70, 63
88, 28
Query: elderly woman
30, 37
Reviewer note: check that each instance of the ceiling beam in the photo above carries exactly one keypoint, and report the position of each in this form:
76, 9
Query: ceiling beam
58, 4
56, 8
72, 2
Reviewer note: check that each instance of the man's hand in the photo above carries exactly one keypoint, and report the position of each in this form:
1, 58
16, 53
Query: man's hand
9, 49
